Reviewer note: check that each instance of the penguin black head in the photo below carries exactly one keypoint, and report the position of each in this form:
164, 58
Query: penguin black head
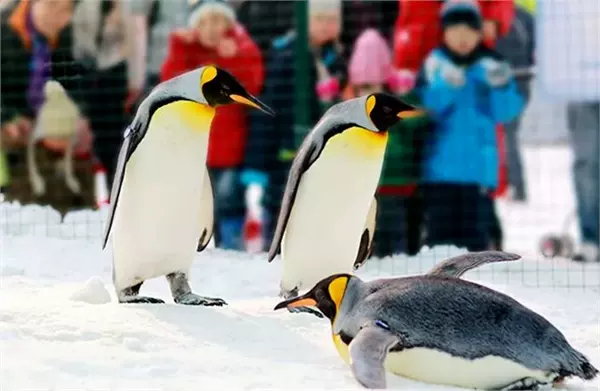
326, 295
385, 110
219, 87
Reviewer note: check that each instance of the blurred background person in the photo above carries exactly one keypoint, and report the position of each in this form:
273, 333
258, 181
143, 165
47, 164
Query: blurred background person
265, 19
272, 142
37, 44
468, 89
417, 31
584, 126
152, 21
213, 37
103, 38
518, 48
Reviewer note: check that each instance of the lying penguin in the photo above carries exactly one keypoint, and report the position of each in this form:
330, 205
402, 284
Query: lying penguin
326, 221
440, 329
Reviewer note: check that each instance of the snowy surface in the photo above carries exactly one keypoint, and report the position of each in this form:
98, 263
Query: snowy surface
59, 332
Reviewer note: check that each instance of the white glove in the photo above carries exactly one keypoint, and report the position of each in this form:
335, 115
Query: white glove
453, 75
254, 194
497, 73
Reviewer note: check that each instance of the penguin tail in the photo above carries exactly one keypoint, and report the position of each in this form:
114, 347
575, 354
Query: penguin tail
581, 368
588, 371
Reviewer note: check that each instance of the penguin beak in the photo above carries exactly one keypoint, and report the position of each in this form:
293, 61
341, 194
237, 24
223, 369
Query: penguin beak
300, 301
300, 304
405, 114
252, 101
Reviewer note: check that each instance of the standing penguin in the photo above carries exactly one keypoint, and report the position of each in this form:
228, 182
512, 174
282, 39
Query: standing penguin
440, 329
330, 190
157, 215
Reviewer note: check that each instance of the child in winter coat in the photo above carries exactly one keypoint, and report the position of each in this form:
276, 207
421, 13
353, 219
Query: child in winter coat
214, 38
398, 226
468, 89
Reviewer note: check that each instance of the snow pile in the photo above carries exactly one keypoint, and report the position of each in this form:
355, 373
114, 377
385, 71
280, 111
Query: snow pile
92, 292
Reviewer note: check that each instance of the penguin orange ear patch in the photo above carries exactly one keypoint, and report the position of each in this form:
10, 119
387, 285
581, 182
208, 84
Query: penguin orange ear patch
370, 104
337, 288
208, 74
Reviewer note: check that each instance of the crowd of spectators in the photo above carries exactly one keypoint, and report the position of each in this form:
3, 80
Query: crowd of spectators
441, 174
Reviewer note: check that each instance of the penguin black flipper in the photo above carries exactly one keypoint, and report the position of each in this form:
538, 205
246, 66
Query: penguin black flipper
124, 153
366, 240
368, 351
207, 213
301, 163
459, 265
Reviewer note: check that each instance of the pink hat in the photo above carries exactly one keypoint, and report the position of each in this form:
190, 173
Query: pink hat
371, 59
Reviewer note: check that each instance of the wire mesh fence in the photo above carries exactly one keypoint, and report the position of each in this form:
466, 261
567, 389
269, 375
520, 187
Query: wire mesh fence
301, 58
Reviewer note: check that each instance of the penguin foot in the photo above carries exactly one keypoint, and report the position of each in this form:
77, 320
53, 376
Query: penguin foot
140, 300
194, 299
527, 383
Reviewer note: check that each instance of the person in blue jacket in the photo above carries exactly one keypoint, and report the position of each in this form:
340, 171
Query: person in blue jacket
468, 89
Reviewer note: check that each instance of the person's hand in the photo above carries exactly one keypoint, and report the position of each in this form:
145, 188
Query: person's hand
85, 137
185, 34
328, 89
453, 75
10, 132
497, 73
25, 125
132, 97
17, 131
227, 48
401, 81
490, 30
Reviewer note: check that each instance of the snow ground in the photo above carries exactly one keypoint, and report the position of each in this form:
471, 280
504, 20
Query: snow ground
61, 328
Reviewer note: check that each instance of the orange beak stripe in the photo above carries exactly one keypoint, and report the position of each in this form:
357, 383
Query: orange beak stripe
411, 114
303, 303
244, 101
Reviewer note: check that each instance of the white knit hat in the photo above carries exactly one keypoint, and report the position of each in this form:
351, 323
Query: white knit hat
198, 8
318, 6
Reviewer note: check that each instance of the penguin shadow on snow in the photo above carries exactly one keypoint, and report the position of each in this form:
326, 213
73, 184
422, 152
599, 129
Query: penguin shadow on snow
241, 331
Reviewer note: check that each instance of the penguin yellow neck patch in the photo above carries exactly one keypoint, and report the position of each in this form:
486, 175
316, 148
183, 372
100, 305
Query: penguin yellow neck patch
191, 115
357, 142
341, 348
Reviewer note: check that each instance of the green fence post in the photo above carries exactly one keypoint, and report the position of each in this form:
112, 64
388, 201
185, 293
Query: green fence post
301, 91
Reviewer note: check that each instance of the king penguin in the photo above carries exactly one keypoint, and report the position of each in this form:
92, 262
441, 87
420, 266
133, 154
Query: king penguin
327, 212
440, 329
161, 200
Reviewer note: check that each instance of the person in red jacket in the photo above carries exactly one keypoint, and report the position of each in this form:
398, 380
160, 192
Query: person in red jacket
418, 31
214, 37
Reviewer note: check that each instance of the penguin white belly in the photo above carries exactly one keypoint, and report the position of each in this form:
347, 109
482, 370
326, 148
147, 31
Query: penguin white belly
156, 226
437, 367
330, 209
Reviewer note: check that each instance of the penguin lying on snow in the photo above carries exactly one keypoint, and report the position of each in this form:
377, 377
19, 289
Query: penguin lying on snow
440, 329
327, 215
161, 201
